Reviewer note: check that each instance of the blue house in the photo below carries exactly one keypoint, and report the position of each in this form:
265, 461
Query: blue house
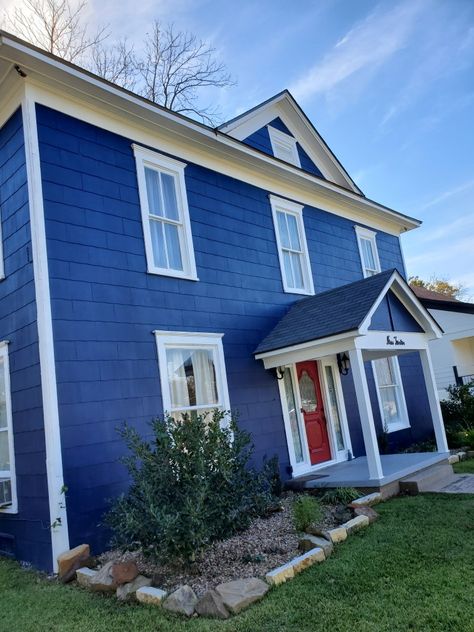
150, 263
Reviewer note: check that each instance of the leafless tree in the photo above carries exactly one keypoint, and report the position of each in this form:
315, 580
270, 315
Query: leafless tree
57, 26
173, 70
175, 67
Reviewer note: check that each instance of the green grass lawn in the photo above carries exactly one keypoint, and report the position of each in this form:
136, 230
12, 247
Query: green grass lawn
412, 570
464, 467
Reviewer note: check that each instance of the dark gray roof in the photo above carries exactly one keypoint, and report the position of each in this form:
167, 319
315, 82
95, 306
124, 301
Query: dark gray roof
326, 314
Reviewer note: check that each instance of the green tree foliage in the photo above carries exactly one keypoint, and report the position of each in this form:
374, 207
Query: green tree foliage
440, 285
458, 414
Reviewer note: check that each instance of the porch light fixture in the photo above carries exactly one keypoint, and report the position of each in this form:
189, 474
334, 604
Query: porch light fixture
343, 363
280, 372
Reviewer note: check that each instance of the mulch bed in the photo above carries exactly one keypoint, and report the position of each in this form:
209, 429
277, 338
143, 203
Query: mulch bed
267, 543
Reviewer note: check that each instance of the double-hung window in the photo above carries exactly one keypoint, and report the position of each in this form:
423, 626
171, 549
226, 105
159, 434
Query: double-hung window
390, 394
369, 256
165, 214
192, 372
284, 146
8, 501
292, 247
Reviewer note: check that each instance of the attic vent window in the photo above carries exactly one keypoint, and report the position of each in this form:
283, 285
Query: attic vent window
284, 146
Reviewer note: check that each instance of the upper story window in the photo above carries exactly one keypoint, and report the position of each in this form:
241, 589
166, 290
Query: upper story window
369, 255
8, 500
388, 380
284, 146
292, 247
192, 372
165, 215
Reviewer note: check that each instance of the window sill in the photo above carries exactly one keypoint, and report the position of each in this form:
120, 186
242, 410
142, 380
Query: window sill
301, 292
12, 509
173, 275
402, 425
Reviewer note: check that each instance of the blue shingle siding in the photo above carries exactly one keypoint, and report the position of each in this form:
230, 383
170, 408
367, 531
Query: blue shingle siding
391, 315
26, 533
261, 140
105, 306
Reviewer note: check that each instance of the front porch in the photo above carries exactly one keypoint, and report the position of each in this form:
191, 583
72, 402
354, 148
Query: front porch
355, 473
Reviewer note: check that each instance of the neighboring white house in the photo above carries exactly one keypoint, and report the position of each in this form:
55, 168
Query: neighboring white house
453, 354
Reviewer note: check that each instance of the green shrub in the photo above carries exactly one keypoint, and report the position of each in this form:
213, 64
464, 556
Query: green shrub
190, 484
306, 510
340, 496
458, 413
465, 438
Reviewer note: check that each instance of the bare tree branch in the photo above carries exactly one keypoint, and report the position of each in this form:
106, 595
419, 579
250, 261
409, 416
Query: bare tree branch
116, 63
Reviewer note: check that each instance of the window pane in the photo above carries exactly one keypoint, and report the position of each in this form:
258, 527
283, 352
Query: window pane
192, 377
283, 230
369, 259
383, 367
4, 451
288, 269
295, 430
3, 405
158, 243
5, 492
334, 407
293, 232
297, 271
169, 196
173, 247
153, 187
388, 396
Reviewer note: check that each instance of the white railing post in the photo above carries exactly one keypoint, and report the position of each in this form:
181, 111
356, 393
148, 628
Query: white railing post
365, 413
431, 389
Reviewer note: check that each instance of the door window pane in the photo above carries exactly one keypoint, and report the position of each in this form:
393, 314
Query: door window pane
336, 418
294, 425
309, 400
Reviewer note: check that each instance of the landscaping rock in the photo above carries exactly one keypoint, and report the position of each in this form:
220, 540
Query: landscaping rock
126, 592
338, 534
124, 572
84, 576
367, 501
103, 580
307, 559
240, 593
462, 456
371, 514
343, 514
70, 561
454, 458
181, 601
308, 542
150, 595
359, 522
211, 605
280, 575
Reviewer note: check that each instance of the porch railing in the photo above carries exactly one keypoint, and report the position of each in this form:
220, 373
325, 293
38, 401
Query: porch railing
462, 379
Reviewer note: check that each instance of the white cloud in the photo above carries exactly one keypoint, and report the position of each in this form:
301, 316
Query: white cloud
447, 194
368, 45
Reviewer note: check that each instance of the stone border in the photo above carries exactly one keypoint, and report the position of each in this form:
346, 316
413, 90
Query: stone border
122, 578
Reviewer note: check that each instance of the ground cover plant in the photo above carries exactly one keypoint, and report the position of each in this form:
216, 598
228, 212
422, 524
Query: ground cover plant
412, 570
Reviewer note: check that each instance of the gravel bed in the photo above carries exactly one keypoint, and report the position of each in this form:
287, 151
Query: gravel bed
266, 544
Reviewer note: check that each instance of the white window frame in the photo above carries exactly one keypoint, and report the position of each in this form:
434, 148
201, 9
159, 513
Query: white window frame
186, 340
279, 140
285, 206
152, 159
369, 235
10, 474
401, 401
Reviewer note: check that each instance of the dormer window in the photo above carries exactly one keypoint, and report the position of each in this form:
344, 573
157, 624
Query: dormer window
284, 146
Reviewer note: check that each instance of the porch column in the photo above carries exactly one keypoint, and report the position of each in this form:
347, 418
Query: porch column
438, 424
365, 413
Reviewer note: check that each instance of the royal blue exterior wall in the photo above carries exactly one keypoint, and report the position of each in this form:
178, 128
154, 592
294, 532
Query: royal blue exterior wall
261, 140
25, 534
105, 306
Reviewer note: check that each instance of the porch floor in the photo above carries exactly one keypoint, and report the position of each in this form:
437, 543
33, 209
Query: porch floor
355, 473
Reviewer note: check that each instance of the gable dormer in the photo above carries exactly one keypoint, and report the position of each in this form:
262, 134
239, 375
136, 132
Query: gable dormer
279, 128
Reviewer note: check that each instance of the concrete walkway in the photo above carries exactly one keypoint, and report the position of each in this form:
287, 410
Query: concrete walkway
459, 484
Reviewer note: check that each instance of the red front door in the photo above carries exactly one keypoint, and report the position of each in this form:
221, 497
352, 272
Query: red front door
313, 412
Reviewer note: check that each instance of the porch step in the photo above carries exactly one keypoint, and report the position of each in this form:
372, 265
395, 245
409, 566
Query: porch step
429, 479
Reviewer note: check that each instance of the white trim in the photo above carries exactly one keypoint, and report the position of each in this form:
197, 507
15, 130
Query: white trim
13, 508
54, 465
370, 236
285, 206
147, 158
176, 339
433, 399
404, 423
302, 466
279, 140
341, 455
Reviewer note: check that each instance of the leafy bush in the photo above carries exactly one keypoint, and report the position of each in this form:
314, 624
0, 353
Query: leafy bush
306, 510
458, 413
422, 446
464, 438
190, 484
340, 496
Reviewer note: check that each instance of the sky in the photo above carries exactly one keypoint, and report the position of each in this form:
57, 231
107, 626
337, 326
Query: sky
389, 85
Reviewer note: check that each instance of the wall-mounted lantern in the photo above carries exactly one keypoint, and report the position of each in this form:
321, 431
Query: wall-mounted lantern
343, 363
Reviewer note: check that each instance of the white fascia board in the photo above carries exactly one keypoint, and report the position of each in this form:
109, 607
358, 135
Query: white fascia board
205, 146
54, 465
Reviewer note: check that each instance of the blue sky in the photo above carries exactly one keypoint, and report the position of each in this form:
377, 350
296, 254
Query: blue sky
389, 85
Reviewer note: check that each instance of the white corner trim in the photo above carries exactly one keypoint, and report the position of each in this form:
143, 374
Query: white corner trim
54, 465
